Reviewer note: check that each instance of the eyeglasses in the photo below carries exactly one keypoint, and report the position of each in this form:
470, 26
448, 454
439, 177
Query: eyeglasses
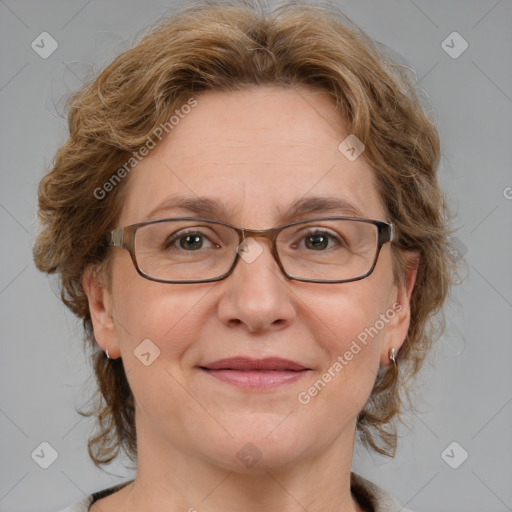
195, 250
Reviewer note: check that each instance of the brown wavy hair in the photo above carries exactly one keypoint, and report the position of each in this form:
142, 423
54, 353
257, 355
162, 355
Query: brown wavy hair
228, 46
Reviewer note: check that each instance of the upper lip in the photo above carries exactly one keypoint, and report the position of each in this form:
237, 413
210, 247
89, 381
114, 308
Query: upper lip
248, 364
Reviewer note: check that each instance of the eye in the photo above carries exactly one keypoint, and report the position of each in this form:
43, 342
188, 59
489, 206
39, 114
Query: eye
188, 241
317, 241
320, 240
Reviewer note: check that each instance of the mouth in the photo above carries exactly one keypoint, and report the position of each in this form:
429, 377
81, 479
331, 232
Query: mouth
255, 374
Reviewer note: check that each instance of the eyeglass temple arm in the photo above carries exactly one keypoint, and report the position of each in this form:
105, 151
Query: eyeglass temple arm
387, 233
115, 237
392, 232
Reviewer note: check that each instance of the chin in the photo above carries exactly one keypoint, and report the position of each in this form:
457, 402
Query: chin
264, 446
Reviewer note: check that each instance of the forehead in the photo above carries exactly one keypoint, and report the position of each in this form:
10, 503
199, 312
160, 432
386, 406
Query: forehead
254, 153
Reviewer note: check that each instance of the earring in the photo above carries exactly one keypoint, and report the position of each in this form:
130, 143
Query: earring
392, 355
108, 356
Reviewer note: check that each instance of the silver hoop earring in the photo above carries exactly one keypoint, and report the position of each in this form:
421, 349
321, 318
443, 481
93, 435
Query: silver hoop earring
392, 355
108, 356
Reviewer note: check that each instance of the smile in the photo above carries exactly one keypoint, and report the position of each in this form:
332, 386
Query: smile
255, 374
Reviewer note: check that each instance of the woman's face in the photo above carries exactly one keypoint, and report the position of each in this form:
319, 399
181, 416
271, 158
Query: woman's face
254, 153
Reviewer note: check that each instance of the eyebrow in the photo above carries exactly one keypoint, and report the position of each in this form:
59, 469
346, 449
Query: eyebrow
208, 207
321, 205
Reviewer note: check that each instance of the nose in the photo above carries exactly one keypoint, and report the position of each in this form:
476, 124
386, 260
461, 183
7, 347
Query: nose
257, 295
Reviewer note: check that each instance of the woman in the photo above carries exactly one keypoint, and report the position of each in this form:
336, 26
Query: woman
247, 218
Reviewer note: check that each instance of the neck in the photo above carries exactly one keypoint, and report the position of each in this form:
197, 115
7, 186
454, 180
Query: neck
171, 479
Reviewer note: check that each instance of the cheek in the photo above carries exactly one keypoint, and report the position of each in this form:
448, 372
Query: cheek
355, 345
171, 319
349, 325
342, 386
349, 312
162, 313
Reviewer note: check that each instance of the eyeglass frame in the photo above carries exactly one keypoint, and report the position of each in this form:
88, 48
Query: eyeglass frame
124, 238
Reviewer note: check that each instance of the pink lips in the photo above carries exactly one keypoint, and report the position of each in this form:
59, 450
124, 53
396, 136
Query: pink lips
256, 374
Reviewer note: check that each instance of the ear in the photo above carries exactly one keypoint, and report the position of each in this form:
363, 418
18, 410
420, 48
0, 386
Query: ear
399, 310
100, 308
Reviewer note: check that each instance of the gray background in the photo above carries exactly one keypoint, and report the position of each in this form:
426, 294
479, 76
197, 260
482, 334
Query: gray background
464, 393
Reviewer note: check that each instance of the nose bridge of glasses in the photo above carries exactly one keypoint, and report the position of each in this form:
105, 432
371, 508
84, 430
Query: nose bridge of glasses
267, 234
251, 252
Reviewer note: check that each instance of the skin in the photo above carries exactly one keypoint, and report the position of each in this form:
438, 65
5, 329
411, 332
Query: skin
255, 151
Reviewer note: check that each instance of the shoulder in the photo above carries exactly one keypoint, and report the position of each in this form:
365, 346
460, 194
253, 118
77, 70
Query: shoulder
83, 504
373, 497
370, 496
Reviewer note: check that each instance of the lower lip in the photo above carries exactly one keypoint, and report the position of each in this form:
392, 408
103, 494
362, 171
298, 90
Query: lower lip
257, 380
